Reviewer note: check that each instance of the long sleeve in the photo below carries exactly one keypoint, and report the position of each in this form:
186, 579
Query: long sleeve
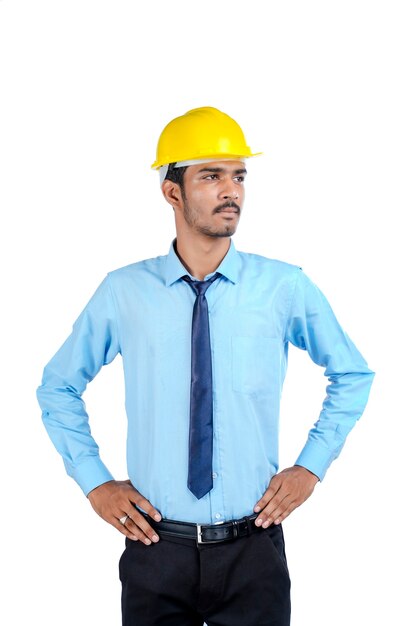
92, 344
312, 326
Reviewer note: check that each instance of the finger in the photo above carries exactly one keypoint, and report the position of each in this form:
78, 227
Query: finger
145, 505
115, 521
282, 514
128, 528
139, 526
123, 528
274, 487
133, 529
276, 506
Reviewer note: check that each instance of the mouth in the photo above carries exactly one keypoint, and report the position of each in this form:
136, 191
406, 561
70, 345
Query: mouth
229, 208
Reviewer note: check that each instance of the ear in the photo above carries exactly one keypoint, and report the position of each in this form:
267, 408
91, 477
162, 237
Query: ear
172, 194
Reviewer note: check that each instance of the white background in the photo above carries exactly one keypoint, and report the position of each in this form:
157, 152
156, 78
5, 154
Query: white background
327, 90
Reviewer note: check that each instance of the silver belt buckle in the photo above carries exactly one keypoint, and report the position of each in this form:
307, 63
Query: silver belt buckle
200, 534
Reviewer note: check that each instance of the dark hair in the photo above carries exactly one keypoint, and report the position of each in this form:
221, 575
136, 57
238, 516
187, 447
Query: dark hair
176, 175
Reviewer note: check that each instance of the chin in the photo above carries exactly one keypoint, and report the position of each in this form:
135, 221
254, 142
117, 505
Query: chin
226, 233
216, 234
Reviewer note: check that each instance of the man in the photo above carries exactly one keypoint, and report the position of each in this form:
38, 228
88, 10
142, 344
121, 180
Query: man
203, 333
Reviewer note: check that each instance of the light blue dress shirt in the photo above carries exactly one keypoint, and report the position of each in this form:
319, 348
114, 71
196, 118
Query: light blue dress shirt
144, 311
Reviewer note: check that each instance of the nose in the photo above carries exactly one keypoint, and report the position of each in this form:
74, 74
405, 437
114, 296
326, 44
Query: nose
230, 190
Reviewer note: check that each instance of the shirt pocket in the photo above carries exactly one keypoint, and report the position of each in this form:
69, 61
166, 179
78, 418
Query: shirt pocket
256, 364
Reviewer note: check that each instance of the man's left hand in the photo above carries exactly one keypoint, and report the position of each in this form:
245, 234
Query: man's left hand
287, 490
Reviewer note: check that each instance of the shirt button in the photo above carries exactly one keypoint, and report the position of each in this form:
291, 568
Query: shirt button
214, 474
217, 516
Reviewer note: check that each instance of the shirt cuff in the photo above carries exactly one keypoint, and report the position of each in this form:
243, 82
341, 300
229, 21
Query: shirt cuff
90, 474
315, 458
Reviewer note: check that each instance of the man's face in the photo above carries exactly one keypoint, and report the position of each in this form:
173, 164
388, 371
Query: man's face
213, 197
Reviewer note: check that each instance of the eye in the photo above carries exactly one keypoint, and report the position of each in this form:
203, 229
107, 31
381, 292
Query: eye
211, 177
240, 179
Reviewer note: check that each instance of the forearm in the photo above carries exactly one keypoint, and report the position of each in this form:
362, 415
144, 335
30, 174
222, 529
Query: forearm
345, 402
92, 344
312, 326
67, 424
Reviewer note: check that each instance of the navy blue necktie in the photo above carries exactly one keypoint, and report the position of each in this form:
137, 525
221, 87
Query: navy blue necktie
200, 452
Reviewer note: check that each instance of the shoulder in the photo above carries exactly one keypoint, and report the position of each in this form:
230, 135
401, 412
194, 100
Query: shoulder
268, 264
143, 268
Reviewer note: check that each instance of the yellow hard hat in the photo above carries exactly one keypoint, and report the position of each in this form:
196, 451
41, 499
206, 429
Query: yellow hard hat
201, 133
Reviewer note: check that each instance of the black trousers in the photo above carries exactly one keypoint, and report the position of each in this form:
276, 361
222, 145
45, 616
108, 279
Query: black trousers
174, 582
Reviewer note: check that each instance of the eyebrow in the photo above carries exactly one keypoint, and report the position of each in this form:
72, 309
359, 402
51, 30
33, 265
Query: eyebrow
217, 170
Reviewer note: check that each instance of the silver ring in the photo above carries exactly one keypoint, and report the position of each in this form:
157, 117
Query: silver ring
123, 519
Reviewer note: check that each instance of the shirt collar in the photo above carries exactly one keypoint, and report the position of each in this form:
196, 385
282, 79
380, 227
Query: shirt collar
229, 267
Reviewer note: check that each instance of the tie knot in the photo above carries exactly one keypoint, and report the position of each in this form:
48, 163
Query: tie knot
200, 286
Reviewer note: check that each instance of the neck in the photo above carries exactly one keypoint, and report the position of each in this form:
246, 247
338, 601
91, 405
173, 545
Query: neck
201, 256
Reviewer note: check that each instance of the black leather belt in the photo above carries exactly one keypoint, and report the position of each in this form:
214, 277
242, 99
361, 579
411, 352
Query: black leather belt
206, 533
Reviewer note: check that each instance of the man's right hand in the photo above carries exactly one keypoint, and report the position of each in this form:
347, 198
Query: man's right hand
117, 498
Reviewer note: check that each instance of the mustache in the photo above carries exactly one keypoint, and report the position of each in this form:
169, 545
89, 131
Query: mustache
227, 205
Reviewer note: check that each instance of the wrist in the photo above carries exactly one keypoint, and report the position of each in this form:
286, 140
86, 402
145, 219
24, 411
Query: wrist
307, 471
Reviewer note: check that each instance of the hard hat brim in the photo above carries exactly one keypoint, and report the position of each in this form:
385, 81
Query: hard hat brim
218, 157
